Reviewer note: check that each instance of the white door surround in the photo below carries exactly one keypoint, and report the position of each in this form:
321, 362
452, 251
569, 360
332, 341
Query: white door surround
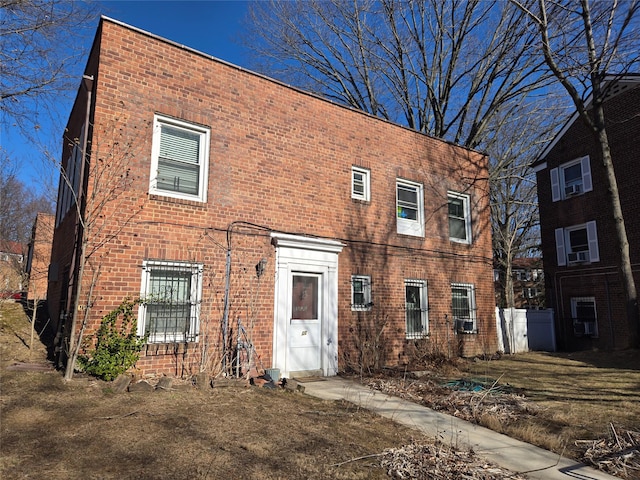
300, 347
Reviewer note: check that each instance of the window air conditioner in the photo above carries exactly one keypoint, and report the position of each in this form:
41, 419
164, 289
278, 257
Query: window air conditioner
464, 325
575, 257
572, 190
589, 328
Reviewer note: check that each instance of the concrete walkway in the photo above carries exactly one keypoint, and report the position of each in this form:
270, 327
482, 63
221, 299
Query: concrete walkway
517, 456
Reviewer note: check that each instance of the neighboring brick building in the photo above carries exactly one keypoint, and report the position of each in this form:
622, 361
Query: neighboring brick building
528, 284
581, 260
39, 255
326, 237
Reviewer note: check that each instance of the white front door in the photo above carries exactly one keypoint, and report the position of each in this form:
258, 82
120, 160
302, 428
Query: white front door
304, 342
305, 328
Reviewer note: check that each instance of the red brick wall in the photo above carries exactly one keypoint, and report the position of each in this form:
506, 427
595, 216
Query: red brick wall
279, 158
601, 279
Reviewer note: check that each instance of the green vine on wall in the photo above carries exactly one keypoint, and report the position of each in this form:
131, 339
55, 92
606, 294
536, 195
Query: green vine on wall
117, 345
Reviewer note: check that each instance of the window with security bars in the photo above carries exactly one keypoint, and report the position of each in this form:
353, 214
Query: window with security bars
416, 309
180, 159
171, 295
463, 305
361, 292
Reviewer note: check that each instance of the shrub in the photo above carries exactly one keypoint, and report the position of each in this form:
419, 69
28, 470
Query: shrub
117, 345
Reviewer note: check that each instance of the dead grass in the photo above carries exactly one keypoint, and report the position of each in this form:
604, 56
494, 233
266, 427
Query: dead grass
577, 395
82, 430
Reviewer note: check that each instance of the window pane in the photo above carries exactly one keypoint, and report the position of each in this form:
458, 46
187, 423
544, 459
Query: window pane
414, 310
178, 162
179, 145
457, 228
407, 195
578, 240
358, 184
407, 202
573, 174
178, 177
168, 311
304, 301
461, 306
456, 207
585, 311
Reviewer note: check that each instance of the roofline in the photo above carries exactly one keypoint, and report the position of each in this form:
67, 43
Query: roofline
104, 18
631, 78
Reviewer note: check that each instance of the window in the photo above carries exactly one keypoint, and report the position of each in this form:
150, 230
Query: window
571, 178
577, 244
409, 208
361, 292
171, 292
463, 305
416, 308
583, 313
179, 162
305, 297
360, 184
459, 218
529, 292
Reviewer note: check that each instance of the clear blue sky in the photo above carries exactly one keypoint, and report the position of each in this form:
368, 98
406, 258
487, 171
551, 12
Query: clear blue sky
208, 26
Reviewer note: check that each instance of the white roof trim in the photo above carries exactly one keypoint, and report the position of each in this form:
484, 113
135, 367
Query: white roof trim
306, 243
539, 167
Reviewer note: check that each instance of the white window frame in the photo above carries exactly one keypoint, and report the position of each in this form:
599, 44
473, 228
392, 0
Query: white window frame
566, 256
561, 190
406, 226
467, 217
366, 291
365, 195
424, 309
579, 325
195, 294
461, 324
203, 157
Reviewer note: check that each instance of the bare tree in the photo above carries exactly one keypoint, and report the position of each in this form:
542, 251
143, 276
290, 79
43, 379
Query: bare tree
40, 43
95, 183
19, 205
462, 70
445, 68
583, 44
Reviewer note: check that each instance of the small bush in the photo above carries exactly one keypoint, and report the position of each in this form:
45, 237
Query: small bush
117, 345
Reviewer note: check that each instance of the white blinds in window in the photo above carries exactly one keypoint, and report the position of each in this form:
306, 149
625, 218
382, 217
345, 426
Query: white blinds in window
178, 162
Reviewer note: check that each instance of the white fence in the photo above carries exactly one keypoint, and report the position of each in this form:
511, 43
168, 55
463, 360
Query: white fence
522, 330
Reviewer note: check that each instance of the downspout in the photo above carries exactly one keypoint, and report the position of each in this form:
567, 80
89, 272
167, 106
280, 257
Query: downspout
87, 82
225, 315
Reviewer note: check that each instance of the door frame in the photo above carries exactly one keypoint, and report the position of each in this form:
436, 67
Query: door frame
296, 253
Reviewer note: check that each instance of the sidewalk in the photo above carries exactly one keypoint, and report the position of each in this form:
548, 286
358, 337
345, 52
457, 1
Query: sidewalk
517, 456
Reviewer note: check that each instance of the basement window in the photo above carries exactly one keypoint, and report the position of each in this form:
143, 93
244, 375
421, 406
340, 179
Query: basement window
171, 293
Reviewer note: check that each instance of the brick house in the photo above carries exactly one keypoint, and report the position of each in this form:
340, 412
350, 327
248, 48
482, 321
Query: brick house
581, 261
528, 284
246, 213
39, 255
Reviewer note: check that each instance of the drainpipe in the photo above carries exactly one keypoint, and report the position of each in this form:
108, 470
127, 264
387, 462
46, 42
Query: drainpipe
225, 315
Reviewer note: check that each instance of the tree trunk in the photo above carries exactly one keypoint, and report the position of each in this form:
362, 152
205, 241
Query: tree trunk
628, 282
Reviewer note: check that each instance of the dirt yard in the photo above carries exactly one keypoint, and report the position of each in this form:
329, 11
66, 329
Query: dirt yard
82, 429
